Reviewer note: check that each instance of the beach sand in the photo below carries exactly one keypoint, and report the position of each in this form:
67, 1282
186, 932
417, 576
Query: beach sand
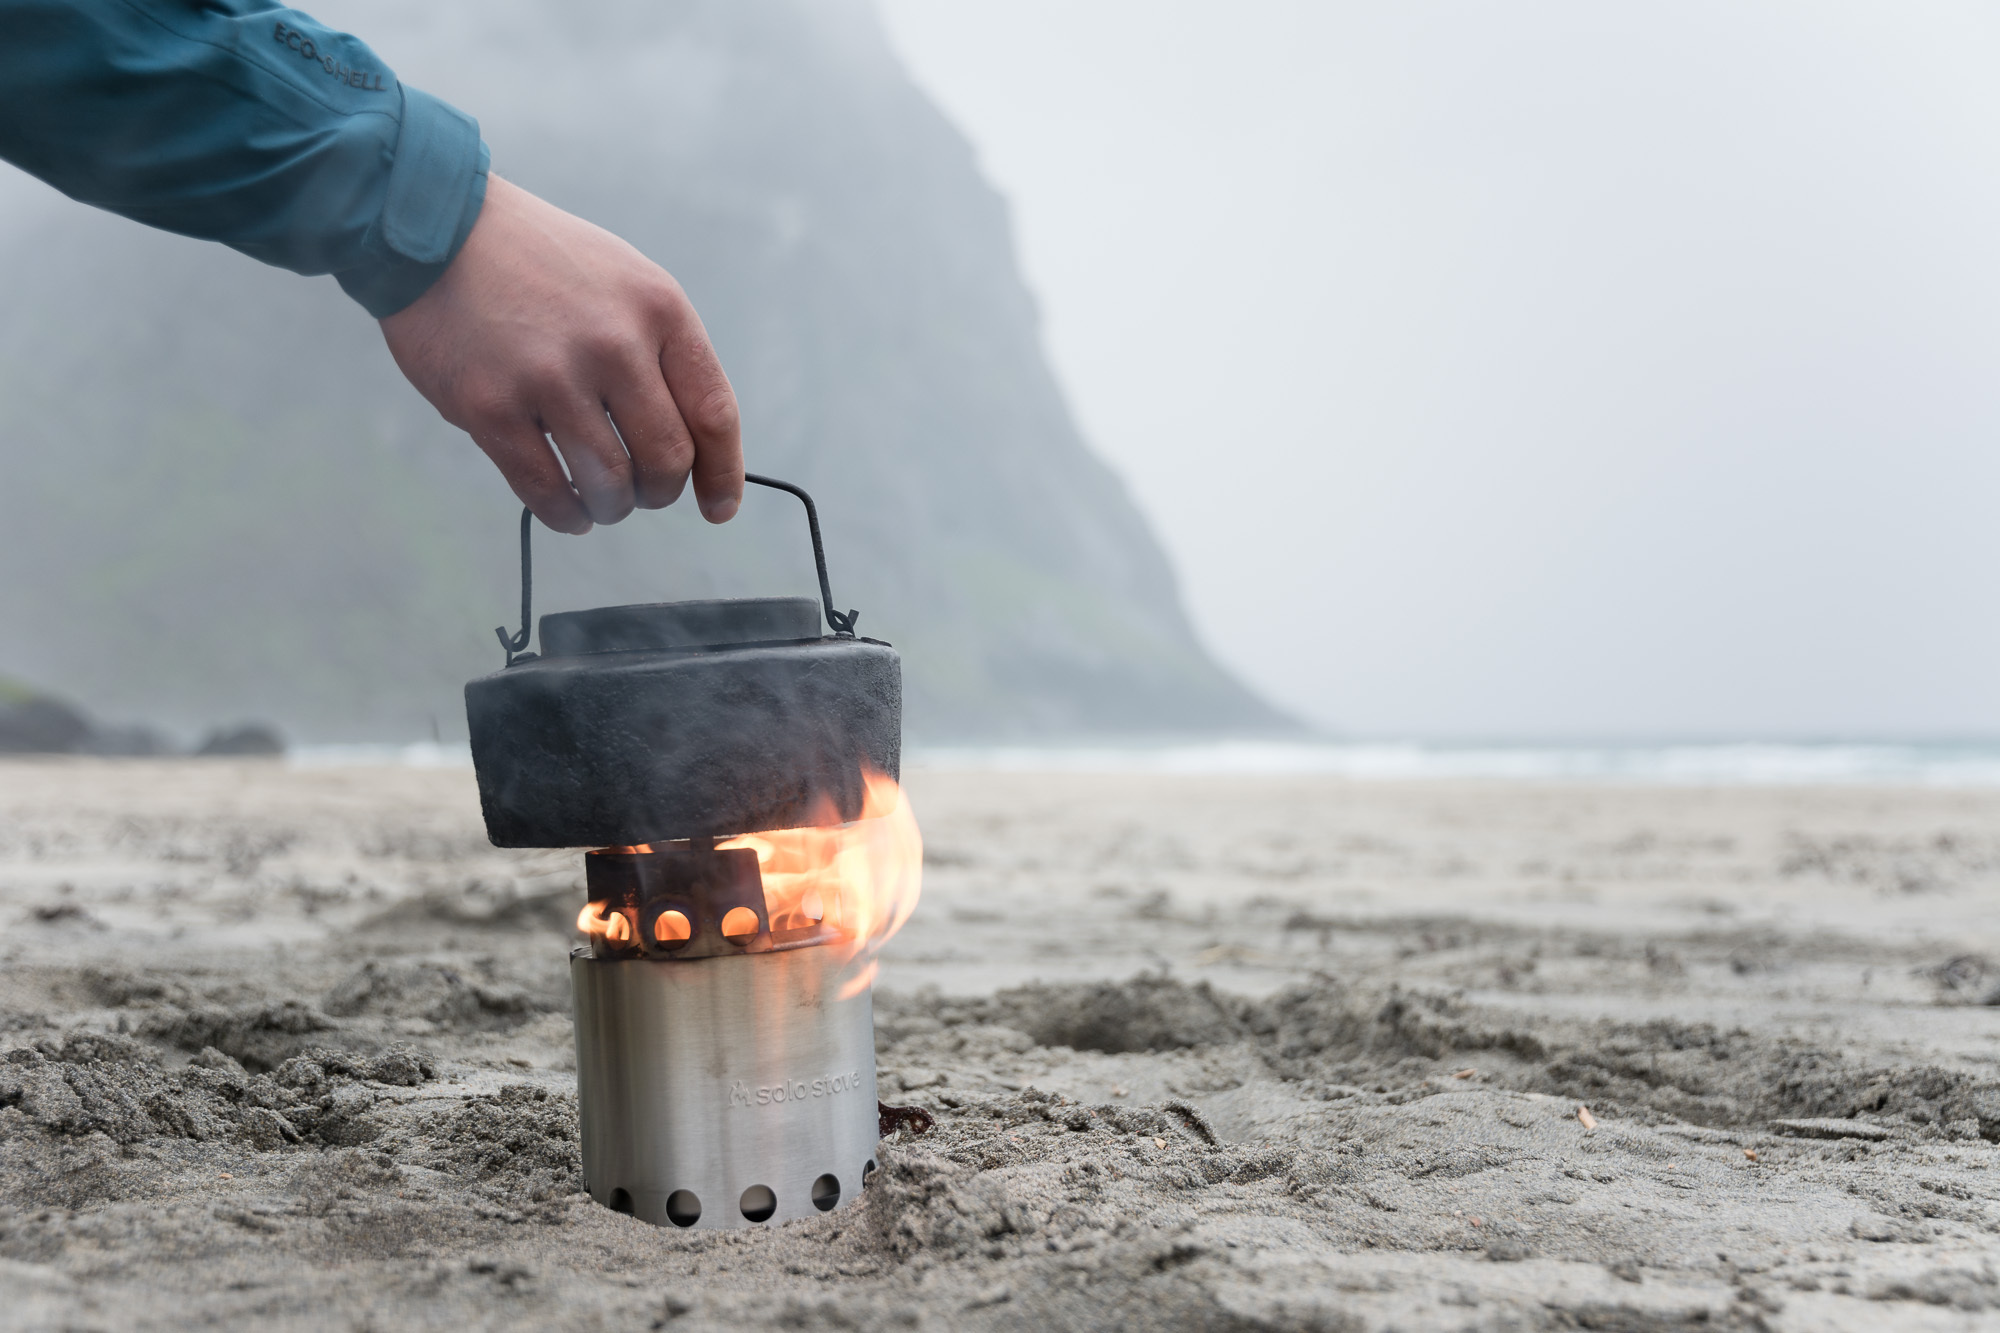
290, 1048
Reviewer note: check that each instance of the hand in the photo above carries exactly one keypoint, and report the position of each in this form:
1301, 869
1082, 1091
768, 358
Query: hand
545, 325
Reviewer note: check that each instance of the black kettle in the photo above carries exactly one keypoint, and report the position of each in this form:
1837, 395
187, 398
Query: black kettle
682, 720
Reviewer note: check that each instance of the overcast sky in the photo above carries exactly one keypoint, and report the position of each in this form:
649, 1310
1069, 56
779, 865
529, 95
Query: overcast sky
1533, 369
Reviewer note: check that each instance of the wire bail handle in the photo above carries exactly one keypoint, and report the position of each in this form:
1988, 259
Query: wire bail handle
841, 624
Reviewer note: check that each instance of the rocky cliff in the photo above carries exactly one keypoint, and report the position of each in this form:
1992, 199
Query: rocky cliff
223, 501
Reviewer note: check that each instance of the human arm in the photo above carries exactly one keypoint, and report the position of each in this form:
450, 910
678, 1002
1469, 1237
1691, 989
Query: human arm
245, 123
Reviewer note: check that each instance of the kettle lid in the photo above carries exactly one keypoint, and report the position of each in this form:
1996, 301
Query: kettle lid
659, 626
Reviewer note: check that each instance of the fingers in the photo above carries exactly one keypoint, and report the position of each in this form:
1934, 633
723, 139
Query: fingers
546, 323
599, 468
523, 455
708, 407
655, 436
639, 455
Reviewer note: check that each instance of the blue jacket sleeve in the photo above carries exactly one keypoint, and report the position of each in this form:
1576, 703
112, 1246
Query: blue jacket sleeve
243, 122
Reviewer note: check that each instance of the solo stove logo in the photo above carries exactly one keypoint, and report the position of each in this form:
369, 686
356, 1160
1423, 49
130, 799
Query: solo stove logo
798, 1090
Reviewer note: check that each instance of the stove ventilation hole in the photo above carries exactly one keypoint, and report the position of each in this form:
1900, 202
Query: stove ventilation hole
758, 1202
621, 1202
813, 906
868, 1173
826, 1192
739, 925
683, 1209
671, 928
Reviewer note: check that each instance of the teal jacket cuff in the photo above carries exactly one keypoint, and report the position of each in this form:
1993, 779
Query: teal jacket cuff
248, 123
436, 187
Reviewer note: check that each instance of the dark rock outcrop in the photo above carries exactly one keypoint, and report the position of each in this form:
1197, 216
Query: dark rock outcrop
32, 723
251, 739
40, 725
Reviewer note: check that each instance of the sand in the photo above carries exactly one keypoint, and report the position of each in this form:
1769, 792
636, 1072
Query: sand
291, 1049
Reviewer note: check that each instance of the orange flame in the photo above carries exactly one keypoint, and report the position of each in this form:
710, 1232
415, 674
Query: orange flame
861, 877
596, 919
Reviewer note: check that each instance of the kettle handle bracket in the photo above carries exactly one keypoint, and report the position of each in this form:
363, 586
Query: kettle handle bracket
841, 623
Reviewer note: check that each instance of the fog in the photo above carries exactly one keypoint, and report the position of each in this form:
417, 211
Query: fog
1546, 372
182, 545
1539, 369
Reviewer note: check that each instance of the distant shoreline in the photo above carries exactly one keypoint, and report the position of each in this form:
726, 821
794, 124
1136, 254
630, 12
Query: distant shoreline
1746, 763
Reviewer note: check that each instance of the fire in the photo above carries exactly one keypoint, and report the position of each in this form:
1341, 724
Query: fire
862, 877
595, 920
671, 928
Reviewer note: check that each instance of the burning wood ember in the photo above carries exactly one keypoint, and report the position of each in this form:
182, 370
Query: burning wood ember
913, 1118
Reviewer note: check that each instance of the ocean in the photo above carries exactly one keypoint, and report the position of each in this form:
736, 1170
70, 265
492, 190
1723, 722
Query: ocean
1749, 763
